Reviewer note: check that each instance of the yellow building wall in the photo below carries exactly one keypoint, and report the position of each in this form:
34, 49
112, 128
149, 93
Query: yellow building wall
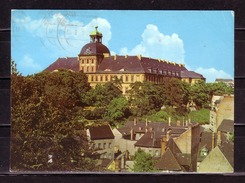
184, 142
215, 162
225, 110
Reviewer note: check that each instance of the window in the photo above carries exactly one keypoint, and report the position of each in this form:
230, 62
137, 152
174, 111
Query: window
156, 153
101, 78
106, 78
82, 61
92, 61
132, 78
87, 69
104, 145
92, 69
96, 78
92, 78
109, 145
126, 78
99, 145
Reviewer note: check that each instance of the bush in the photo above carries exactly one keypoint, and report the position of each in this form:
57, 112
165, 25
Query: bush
201, 116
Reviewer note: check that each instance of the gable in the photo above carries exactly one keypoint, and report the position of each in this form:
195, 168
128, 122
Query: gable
168, 162
215, 162
184, 142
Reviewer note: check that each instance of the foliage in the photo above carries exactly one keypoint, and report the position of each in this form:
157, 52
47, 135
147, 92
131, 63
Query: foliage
160, 116
202, 93
199, 95
144, 98
143, 162
47, 134
117, 110
201, 116
177, 92
219, 88
100, 98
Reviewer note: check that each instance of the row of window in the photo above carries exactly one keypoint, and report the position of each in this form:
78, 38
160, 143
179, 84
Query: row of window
164, 72
125, 78
87, 61
104, 145
88, 69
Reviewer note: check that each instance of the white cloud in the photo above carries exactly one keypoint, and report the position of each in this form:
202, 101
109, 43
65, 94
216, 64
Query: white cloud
157, 45
28, 64
59, 32
211, 74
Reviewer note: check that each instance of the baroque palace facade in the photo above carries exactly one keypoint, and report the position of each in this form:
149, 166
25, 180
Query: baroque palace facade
100, 67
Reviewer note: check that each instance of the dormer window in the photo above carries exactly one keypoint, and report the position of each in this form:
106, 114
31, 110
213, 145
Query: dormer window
204, 152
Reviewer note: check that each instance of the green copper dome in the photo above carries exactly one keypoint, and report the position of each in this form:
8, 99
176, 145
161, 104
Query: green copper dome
95, 32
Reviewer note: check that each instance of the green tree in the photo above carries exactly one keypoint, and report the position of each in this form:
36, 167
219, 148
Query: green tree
200, 95
117, 110
100, 98
143, 162
145, 98
219, 88
46, 131
177, 92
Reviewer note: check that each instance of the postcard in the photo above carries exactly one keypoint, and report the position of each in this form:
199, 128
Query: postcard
122, 91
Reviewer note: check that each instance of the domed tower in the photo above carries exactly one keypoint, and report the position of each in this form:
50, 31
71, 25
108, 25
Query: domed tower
92, 54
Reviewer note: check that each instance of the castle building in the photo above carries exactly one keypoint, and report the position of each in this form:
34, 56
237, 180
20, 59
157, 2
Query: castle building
100, 67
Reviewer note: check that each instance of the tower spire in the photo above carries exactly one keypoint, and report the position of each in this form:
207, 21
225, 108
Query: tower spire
96, 36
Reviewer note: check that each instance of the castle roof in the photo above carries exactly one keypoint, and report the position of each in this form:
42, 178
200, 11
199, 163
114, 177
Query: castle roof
124, 64
94, 48
137, 64
64, 63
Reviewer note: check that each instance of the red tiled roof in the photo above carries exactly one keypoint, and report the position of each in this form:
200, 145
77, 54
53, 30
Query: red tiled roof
124, 64
134, 64
64, 63
168, 162
226, 126
172, 146
227, 149
149, 140
101, 132
183, 159
190, 74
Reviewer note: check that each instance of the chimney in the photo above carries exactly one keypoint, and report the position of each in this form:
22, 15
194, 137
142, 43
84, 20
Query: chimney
169, 121
139, 57
126, 56
135, 121
131, 134
115, 57
168, 135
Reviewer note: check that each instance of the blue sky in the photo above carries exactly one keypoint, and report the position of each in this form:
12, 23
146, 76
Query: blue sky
202, 40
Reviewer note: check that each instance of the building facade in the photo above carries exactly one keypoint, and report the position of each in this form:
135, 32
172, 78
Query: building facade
97, 63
